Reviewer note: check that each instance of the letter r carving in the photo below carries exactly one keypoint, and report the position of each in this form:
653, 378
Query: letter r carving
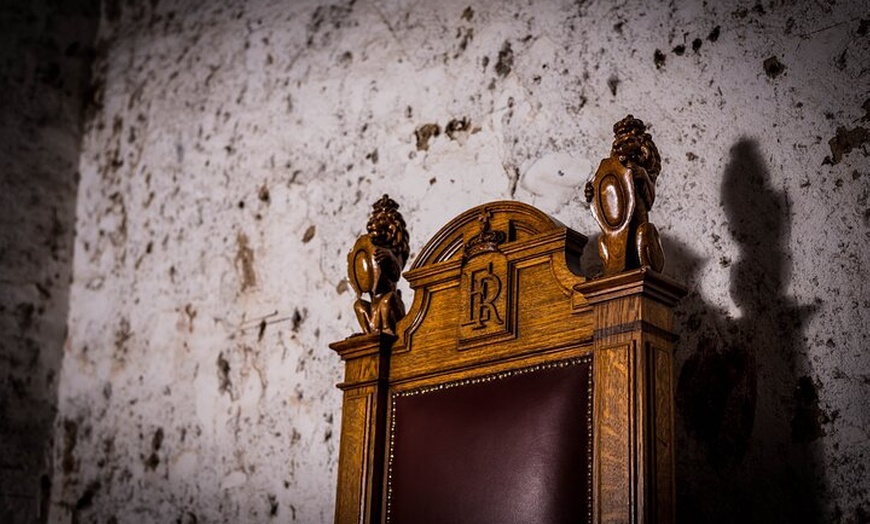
484, 290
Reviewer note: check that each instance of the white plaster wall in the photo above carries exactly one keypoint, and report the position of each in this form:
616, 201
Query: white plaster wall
236, 148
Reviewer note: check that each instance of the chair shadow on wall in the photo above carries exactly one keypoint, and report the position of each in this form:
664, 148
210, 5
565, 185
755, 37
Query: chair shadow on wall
748, 416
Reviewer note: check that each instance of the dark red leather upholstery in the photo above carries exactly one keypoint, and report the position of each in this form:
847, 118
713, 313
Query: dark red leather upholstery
512, 450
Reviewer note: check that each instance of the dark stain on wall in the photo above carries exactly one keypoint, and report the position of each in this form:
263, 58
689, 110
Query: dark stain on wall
223, 370
70, 439
263, 194
86, 500
613, 83
424, 134
153, 460
245, 261
326, 19
714, 34
659, 59
505, 60
309, 234
123, 333
773, 67
298, 319
261, 330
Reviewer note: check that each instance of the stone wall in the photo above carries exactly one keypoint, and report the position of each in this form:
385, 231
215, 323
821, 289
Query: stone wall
235, 148
45, 55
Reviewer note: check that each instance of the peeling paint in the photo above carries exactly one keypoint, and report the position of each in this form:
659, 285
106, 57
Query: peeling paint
845, 141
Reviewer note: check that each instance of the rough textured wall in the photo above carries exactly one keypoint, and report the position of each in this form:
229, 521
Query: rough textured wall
45, 55
236, 150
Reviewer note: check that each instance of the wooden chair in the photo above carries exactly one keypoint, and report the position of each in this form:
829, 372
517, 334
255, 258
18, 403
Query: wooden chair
514, 390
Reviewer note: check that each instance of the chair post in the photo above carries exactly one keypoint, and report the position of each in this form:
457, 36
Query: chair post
363, 427
633, 344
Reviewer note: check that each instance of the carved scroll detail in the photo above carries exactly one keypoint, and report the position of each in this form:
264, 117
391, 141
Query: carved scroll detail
374, 266
621, 193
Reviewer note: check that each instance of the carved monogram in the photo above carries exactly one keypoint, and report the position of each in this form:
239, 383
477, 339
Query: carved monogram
484, 289
486, 310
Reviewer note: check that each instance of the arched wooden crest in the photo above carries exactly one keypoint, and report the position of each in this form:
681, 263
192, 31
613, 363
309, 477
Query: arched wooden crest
470, 283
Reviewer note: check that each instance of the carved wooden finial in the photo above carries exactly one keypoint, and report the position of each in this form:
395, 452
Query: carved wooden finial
486, 240
374, 266
622, 192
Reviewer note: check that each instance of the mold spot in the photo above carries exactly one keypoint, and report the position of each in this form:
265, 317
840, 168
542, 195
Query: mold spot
457, 126
190, 312
223, 368
373, 156
342, 287
122, 335
680, 50
273, 505
425, 133
298, 319
156, 442
468, 14
613, 84
691, 157
245, 261
263, 194
87, 498
714, 34
309, 234
70, 438
659, 58
773, 67
465, 35
261, 330
505, 60
696, 44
